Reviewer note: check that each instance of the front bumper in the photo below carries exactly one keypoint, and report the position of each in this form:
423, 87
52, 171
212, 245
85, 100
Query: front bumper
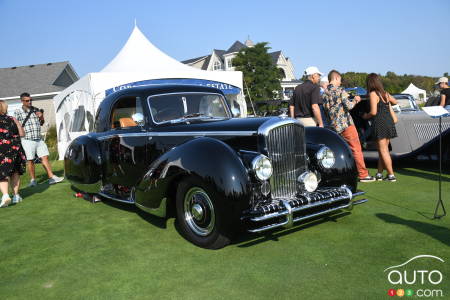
284, 212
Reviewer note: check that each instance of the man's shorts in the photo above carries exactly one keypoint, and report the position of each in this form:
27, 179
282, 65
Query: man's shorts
308, 122
32, 148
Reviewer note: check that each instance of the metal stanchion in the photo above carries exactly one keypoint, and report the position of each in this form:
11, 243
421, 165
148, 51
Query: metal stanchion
436, 216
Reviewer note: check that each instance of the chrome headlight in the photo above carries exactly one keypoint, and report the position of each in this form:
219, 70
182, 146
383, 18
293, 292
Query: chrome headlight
325, 157
262, 167
309, 181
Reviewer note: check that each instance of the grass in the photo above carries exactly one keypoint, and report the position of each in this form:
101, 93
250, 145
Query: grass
55, 246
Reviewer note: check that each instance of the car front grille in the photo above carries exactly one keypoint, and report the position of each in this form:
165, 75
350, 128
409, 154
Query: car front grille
286, 149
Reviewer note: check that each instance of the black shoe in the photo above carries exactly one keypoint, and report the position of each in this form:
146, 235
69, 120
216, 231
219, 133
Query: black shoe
390, 178
379, 177
367, 179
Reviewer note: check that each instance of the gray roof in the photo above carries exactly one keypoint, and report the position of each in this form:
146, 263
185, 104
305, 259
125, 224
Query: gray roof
275, 55
192, 60
236, 47
36, 79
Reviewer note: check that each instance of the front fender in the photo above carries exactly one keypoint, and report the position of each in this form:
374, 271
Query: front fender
344, 170
216, 163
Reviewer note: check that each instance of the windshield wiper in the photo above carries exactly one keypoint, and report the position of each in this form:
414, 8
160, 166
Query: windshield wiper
194, 115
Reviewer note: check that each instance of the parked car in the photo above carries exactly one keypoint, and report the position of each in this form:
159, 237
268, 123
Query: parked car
418, 133
177, 150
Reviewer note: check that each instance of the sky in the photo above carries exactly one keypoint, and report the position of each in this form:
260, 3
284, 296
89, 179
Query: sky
405, 37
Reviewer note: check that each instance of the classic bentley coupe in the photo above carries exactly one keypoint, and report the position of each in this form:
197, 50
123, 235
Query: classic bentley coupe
177, 151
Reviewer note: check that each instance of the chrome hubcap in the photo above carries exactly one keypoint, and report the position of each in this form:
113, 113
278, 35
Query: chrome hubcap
199, 211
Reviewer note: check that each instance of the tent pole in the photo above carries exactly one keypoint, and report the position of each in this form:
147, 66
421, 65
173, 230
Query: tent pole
250, 98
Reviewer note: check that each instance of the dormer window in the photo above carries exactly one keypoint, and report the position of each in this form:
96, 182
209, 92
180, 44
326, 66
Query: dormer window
229, 62
217, 66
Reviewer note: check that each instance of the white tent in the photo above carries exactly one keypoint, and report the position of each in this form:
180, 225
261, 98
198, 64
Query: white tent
417, 93
139, 62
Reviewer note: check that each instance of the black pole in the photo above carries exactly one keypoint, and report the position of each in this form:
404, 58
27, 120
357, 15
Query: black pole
440, 174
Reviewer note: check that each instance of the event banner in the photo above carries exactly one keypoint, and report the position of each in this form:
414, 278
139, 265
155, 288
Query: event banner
224, 87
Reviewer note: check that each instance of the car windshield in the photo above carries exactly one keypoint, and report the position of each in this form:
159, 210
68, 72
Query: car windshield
403, 102
187, 106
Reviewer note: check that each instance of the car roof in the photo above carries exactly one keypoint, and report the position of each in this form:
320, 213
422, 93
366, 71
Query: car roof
167, 88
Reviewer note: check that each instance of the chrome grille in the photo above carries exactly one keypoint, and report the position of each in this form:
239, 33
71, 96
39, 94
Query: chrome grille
286, 149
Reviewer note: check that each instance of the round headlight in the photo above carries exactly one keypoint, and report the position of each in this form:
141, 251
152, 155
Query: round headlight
309, 181
325, 157
262, 167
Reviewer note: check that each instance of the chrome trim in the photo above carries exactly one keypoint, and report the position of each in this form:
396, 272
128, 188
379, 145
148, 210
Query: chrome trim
274, 122
192, 222
129, 201
360, 201
255, 161
284, 144
285, 217
88, 188
298, 208
224, 102
290, 221
284, 223
179, 133
159, 211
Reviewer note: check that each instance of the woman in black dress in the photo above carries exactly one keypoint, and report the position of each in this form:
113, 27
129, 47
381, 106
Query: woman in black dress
12, 157
383, 124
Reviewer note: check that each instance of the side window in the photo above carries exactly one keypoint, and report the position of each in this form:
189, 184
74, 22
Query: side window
123, 111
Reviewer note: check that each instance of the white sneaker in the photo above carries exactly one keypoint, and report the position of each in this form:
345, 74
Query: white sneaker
6, 200
55, 179
32, 183
16, 199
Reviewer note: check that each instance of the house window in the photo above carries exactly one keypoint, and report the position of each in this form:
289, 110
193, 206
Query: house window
230, 62
217, 65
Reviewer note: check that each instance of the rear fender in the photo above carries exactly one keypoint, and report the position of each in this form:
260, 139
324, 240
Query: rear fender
83, 164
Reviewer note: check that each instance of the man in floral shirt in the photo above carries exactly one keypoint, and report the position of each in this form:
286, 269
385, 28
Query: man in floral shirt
337, 106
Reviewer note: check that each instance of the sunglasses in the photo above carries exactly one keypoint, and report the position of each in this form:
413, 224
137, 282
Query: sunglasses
27, 100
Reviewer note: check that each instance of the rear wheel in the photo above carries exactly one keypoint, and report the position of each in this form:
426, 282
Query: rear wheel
201, 214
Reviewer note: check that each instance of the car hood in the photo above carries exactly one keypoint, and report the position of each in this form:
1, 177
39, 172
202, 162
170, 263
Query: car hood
205, 125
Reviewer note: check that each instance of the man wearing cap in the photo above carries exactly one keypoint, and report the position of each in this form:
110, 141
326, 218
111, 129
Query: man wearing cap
445, 92
304, 104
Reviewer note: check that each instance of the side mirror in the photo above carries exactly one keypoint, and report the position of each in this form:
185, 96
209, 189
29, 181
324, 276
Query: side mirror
138, 118
396, 108
235, 112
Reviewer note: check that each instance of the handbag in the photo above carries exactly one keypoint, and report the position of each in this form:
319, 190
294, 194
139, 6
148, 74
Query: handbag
391, 111
393, 114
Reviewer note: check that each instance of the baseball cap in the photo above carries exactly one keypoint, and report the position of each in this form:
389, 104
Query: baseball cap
324, 79
312, 70
442, 79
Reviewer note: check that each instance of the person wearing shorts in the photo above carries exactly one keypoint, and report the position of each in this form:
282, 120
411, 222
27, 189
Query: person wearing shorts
33, 145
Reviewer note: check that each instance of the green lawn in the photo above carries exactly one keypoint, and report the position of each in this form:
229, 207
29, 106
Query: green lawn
56, 246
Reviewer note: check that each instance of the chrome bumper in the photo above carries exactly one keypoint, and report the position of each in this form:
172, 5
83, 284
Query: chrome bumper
284, 212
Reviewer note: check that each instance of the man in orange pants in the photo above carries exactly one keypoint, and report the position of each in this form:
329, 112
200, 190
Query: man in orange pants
337, 106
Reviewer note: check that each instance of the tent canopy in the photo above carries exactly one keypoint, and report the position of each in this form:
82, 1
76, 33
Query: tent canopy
416, 92
139, 62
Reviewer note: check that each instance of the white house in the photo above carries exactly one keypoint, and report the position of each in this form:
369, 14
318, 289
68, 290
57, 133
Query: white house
221, 60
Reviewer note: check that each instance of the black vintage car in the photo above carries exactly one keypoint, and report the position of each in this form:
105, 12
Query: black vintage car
176, 150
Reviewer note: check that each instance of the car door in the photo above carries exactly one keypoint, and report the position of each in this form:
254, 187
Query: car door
124, 145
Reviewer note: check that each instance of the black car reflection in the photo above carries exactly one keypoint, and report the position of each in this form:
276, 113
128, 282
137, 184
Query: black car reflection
164, 147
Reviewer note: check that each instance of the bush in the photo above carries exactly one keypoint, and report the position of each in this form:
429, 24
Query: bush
52, 143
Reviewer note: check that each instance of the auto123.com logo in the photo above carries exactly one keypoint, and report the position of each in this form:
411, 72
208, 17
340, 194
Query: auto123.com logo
404, 278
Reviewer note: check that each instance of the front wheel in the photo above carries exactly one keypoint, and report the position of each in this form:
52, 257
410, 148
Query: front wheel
201, 214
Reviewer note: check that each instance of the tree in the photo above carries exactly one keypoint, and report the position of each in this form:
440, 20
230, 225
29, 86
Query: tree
261, 75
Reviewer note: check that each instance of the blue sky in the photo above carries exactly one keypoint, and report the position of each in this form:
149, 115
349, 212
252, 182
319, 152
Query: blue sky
406, 37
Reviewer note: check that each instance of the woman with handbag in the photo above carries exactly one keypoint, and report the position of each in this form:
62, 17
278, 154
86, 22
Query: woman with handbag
384, 119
